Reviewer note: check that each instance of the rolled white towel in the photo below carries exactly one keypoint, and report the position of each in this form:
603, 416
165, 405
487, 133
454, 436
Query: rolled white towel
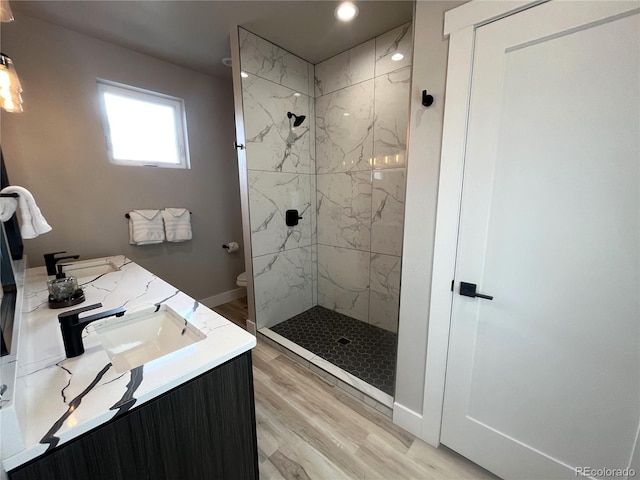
145, 227
32, 221
177, 224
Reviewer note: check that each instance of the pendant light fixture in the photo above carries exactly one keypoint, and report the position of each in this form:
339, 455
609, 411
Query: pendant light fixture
10, 89
5, 11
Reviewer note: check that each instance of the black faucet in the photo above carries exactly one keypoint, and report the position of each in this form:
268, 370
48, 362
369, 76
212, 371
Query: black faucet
50, 261
71, 326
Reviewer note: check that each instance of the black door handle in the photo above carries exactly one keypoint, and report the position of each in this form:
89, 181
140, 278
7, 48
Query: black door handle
469, 290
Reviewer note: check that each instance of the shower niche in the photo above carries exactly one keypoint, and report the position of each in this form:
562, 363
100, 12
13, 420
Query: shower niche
328, 141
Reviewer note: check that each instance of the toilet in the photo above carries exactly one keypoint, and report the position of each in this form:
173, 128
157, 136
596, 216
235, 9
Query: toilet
241, 281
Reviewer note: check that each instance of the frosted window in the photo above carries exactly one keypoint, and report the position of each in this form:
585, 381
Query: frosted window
143, 128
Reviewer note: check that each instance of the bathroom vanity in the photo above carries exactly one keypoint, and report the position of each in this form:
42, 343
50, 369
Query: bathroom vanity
188, 414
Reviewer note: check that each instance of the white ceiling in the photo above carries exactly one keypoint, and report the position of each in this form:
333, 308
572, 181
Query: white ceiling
195, 34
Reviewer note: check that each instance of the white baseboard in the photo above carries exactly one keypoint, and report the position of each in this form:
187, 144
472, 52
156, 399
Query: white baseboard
407, 419
224, 297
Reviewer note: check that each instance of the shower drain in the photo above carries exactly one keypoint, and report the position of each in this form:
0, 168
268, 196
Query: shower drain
344, 341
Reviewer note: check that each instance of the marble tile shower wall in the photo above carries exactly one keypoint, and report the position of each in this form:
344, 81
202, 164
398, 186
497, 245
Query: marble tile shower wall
281, 176
345, 253
361, 108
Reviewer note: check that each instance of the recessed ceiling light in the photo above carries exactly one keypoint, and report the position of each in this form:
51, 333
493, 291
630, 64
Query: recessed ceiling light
346, 114
226, 61
396, 57
244, 74
346, 11
296, 94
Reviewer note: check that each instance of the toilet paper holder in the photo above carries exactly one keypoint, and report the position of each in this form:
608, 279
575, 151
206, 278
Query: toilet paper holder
231, 247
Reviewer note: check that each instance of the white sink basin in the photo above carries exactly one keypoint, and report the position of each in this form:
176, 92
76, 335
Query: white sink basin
145, 335
89, 268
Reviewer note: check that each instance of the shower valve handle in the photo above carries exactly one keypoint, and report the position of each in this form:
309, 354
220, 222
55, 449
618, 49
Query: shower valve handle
291, 218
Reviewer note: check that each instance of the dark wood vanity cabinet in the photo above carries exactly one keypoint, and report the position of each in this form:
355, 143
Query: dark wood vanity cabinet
203, 429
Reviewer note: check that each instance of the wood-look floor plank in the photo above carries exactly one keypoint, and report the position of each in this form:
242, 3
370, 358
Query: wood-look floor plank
296, 449
309, 429
287, 467
268, 439
306, 395
315, 463
324, 433
237, 311
340, 413
386, 457
297, 429
446, 463
269, 471
265, 351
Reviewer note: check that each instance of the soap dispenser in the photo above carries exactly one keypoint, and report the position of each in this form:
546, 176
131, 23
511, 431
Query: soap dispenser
64, 291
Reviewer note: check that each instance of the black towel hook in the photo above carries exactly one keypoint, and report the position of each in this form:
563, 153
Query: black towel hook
427, 100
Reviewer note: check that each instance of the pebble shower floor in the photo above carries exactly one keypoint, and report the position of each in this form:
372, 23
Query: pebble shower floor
366, 351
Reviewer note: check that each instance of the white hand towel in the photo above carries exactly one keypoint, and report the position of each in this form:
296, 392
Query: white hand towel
8, 207
177, 224
32, 222
145, 227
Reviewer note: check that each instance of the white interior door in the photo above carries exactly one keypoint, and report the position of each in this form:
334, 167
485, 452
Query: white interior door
545, 378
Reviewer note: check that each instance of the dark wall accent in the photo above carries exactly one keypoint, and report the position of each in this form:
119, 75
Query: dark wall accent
204, 429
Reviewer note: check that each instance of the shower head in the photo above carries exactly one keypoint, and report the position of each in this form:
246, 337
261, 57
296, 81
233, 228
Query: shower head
298, 119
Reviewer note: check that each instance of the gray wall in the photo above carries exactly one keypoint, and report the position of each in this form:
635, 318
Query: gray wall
56, 149
425, 138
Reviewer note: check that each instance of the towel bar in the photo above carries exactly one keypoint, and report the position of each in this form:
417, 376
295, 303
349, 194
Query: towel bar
126, 215
7, 195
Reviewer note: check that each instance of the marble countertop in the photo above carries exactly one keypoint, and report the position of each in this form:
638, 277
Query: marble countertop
62, 398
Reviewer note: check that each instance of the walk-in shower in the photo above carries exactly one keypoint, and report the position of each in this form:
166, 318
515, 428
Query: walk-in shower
328, 141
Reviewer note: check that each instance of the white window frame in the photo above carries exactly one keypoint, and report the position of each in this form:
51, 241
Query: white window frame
177, 104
